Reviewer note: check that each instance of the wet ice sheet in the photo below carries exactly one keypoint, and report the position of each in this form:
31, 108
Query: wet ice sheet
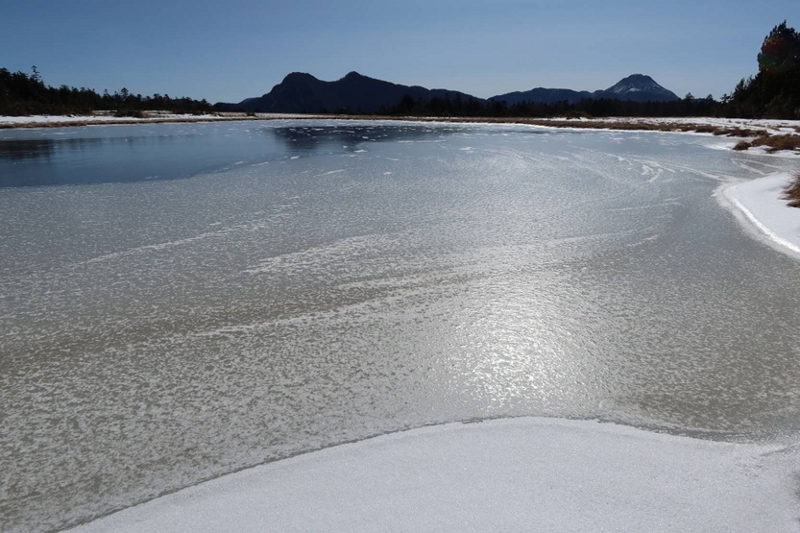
155, 334
504, 475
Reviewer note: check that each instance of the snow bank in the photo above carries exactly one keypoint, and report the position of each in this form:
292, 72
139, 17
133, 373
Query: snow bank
528, 474
151, 116
79, 119
774, 126
759, 201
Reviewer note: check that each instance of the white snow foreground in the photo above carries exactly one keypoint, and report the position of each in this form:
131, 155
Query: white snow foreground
527, 474
760, 203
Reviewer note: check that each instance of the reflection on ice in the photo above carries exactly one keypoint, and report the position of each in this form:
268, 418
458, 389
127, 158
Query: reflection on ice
350, 137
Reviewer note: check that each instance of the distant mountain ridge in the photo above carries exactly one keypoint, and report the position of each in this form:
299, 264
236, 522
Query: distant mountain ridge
303, 93
300, 92
636, 88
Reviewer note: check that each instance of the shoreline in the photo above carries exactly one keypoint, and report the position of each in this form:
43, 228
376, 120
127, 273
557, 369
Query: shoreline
774, 135
55, 121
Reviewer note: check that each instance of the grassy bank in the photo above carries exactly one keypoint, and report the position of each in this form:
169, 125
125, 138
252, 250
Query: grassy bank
774, 143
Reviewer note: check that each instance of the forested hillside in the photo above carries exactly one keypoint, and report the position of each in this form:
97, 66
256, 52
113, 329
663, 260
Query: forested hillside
775, 91
27, 94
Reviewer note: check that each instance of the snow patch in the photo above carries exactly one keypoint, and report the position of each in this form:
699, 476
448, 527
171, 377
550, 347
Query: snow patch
505, 475
150, 116
759, 202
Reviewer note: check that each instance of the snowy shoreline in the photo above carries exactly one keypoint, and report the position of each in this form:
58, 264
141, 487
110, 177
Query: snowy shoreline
65, 121
757, 204
771, 126
501, 475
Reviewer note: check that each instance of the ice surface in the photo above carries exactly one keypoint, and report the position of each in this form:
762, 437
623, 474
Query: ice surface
160, 333
529, 474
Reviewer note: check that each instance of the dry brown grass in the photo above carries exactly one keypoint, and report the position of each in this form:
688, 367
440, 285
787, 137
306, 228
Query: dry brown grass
792, 192
742, 145
778, 142
737, 132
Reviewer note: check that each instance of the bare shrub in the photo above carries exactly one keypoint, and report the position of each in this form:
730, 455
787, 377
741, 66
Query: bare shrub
778, 142
792, 192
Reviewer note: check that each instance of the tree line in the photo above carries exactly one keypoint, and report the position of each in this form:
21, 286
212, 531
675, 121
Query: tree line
27, 94
774, 92
604, 107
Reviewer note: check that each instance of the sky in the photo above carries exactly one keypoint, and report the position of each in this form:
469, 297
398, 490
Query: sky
228, 51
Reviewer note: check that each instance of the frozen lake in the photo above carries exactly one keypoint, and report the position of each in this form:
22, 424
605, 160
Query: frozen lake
178, 302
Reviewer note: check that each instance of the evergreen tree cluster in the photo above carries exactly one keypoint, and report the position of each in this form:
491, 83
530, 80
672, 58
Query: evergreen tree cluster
27, 94
775, 91
606, 107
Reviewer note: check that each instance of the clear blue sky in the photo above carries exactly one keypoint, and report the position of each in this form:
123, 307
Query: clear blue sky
227, 51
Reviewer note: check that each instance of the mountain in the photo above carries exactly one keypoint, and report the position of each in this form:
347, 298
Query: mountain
640, 88
542, 95
636, 88
303, 93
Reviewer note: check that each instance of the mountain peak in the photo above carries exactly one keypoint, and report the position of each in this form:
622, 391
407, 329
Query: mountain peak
639, 77
298, 76
303, 93
353, 75
642, 84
